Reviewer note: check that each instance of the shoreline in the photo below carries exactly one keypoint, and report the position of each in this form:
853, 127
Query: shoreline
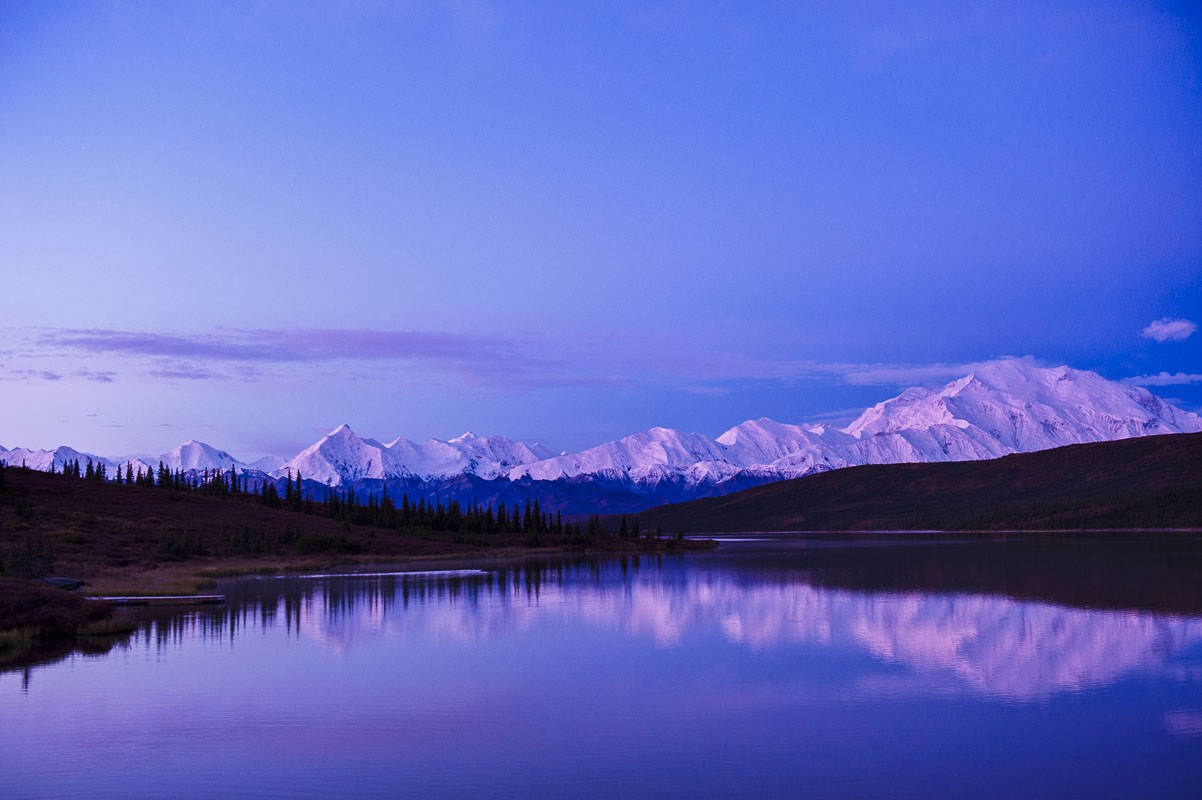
195, 576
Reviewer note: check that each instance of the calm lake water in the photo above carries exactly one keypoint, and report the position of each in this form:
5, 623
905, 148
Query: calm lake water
771, 667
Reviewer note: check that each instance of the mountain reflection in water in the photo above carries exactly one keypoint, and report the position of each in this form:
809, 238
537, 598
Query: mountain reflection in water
811, 666
992, 644
955, 641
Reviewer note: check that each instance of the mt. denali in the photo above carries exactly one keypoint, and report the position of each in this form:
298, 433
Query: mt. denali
1007, 406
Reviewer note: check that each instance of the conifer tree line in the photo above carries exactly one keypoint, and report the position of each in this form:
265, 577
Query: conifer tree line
372, 509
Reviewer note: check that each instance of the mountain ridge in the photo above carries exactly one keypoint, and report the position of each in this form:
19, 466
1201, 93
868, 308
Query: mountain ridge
1006, 406
1146, 482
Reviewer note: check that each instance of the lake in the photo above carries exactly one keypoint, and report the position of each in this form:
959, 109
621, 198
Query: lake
836, 666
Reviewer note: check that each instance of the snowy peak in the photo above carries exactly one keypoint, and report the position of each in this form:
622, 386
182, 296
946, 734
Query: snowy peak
266, 464
1006, 406
491, 456
43, 460
641, 456
1014, 405
194, 455
1001, 407
341, 456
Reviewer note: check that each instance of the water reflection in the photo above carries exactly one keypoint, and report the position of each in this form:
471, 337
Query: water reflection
798, 668
764, 600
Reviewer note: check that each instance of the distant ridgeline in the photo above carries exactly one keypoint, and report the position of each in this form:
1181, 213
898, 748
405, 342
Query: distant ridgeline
83, 515
374, 509
1004, 407
578, 497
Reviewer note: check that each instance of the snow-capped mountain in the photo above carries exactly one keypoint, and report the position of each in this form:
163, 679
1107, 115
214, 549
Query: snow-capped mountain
1014, 406
1007, 406
486, 456
343, 457
43, 459
266, 464
194, 455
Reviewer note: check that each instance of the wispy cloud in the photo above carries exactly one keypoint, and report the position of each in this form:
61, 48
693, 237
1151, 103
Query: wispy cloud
842, 415
102, 376
708, 391
1165, 379
1169, 330
185, 372
718, 367
473, 360
894, 375
31, 374
506, 363
289, 345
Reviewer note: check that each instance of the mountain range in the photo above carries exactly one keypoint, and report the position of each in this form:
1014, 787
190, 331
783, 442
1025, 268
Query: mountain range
1007, 406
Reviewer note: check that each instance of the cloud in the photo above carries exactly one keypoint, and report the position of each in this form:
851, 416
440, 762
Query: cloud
1169, 330
1164, 379
717, 367
842, 415
27, 374
185, 372
505, 363
103, 376
290, 345
913, 374
904, 375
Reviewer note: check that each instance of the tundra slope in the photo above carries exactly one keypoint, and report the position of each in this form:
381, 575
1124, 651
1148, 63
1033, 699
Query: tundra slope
1147, 482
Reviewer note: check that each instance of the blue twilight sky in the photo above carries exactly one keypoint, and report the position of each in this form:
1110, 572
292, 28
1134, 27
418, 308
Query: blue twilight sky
249, 222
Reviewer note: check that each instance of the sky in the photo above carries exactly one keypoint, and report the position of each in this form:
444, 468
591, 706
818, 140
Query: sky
247, 223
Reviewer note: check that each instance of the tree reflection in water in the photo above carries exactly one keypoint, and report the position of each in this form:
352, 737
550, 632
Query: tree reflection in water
1019, 619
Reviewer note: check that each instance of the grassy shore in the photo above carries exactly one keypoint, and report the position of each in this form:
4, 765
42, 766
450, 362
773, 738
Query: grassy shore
152, 540
198, 575
33, 614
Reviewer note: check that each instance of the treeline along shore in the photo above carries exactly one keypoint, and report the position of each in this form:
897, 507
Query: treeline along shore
167, 532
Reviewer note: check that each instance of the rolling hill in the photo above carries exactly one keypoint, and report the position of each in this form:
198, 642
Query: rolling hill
1145, 482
